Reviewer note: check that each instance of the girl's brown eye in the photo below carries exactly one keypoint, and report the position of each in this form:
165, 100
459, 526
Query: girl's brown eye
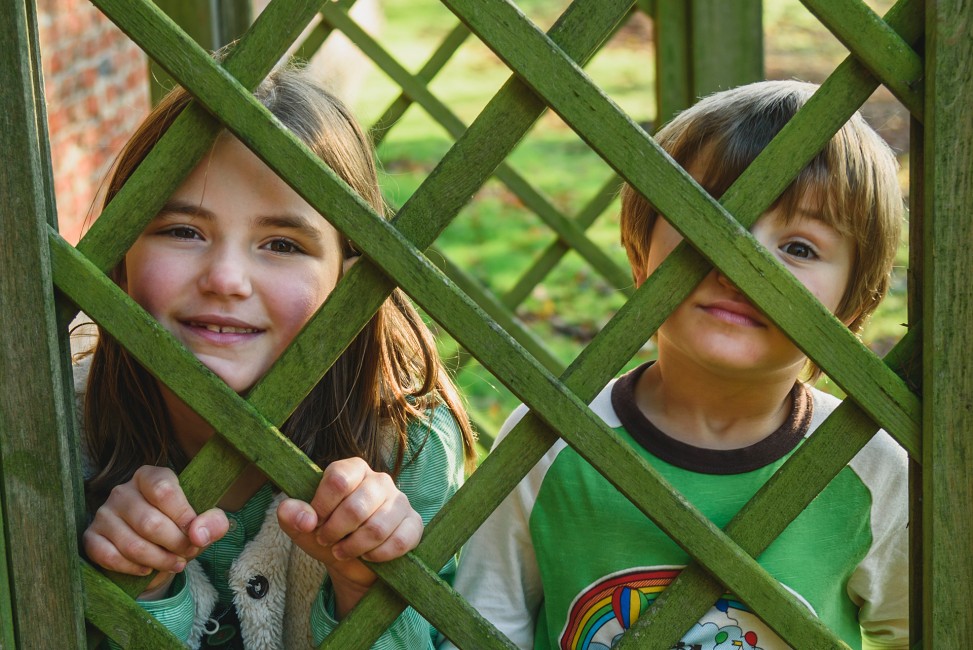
283, 246
182, 233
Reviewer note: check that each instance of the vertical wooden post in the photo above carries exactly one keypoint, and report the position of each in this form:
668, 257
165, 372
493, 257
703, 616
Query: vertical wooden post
703, 46
947, 333
39, 524
673, 68
211, 23
727, 44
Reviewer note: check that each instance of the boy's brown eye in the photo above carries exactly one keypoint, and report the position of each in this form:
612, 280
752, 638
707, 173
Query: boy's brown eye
798, 249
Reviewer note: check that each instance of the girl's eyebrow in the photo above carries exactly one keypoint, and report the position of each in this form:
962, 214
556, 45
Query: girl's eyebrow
185, 208
290, 222
298, 223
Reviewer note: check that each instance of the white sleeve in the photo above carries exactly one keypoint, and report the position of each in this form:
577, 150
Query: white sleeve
498, 572
880, 583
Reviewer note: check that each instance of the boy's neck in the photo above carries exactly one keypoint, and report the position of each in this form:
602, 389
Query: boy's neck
703, 410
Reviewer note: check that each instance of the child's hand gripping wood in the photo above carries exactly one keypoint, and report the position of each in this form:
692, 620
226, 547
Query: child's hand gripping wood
356, 512
147, 524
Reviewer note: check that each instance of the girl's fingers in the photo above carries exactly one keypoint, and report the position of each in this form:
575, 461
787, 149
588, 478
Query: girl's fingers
296, 517
151, 524
159, 486
392, 531
341, 479
112, 544
358, 508
208, 528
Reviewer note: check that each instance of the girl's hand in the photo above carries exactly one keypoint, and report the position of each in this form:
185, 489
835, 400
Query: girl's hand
147, 524
356, 512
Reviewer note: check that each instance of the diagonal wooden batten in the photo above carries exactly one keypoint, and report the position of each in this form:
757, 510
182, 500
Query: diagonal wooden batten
456, 37
114, 612
877, 46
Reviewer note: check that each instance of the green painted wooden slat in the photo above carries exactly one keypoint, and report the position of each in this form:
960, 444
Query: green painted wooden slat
917, 200
726, 44
41, 573
497, 311
567, 229
541, 266
637, 158
877, 46
558, 249
189, 138
445, 609
6, 600
769, 511
947, 307
456, 37
453, 125
113, 612
539, 269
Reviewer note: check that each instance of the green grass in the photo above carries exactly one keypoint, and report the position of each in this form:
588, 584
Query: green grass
495, 238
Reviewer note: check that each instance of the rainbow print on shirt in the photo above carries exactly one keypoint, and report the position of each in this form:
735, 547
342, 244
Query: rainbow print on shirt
602, 612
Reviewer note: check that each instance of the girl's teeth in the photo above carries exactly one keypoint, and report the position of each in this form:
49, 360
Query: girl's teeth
226, 329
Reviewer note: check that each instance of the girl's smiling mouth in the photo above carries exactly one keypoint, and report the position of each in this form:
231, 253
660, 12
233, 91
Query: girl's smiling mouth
219, 329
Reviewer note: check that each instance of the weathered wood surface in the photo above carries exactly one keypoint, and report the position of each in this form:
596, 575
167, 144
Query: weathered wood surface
42, 579
947, 308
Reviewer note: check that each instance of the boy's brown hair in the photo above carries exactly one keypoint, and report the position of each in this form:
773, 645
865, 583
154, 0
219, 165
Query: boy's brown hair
854, 178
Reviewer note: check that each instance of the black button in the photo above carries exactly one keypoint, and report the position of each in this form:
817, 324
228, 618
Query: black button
257, 587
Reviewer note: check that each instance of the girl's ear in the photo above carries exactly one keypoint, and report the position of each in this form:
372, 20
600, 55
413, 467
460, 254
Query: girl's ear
638, 265
348, 263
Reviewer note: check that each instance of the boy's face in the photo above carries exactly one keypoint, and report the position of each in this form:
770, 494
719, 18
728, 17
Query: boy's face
718, 328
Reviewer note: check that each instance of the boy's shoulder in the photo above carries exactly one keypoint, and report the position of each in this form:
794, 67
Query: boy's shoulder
601, 405
882, 464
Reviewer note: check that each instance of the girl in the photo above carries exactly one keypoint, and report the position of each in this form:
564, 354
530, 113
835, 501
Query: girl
233, 266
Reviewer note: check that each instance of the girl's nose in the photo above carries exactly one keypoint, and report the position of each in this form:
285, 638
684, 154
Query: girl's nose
226, 273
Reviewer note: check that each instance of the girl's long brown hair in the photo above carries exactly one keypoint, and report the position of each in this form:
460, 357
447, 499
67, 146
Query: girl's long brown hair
389, 374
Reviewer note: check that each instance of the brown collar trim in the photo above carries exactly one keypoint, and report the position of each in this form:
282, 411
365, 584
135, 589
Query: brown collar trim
711, 461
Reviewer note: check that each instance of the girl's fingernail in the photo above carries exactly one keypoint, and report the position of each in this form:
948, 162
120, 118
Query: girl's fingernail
302, 521
179, 566
204, 535
338, 555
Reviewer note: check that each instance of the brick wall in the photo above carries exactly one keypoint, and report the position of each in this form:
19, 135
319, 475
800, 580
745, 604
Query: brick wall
96, 87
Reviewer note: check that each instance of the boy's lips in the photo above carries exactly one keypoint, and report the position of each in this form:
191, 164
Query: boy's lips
734, 311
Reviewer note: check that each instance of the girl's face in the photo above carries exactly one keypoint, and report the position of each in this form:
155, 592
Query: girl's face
234, 264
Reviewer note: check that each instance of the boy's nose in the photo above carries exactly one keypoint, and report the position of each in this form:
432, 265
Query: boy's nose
226, 274
725, 281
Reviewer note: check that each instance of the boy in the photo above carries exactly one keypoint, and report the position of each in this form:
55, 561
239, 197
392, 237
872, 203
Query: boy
717, 413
